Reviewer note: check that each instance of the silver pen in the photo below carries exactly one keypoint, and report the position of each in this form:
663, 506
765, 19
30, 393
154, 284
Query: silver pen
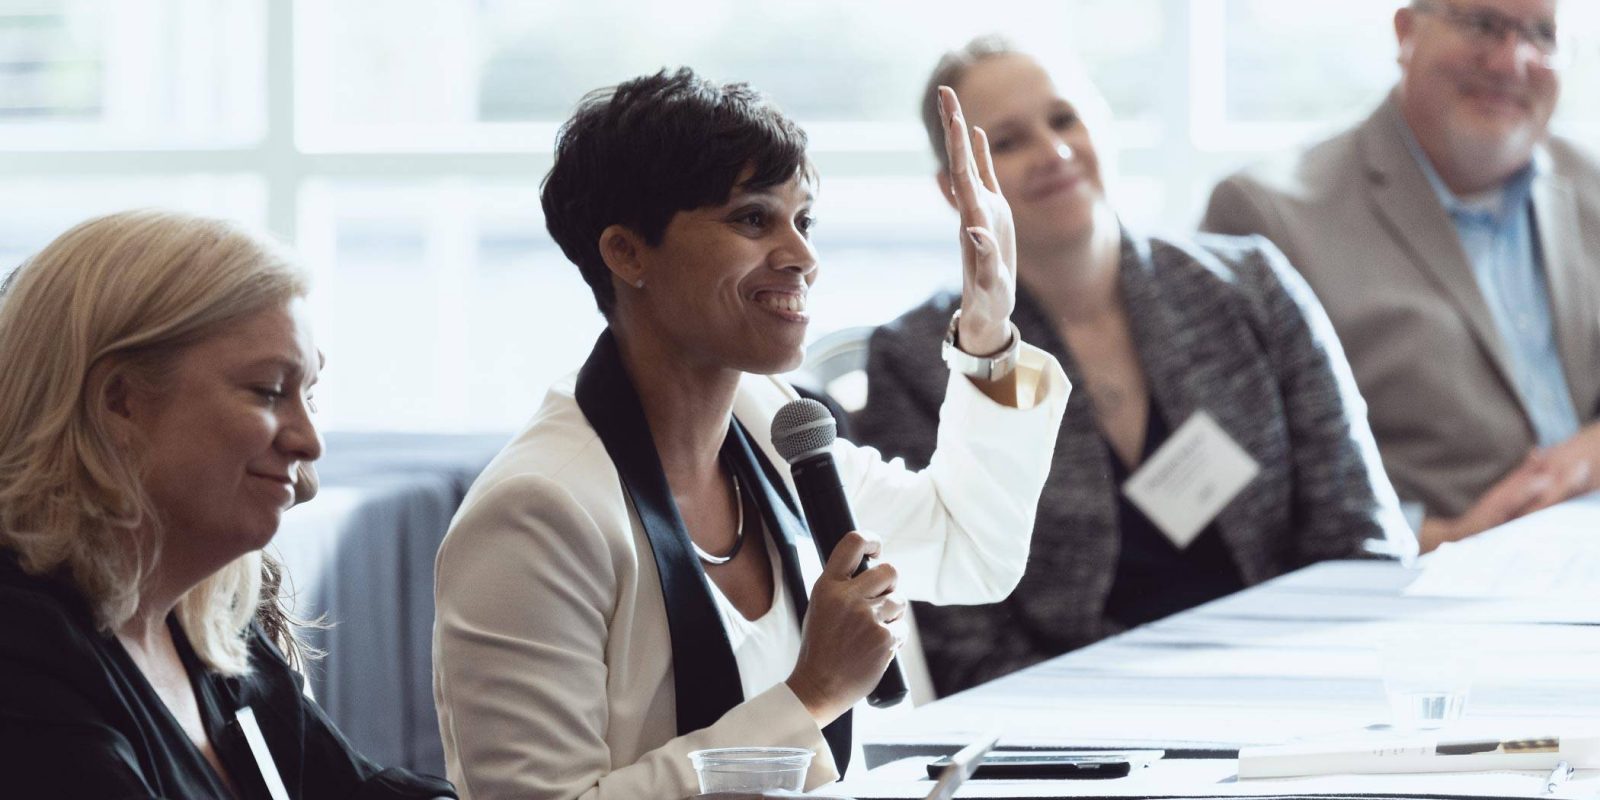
1558, 776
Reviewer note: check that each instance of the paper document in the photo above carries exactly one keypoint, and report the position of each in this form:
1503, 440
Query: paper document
902, 780
1552, 554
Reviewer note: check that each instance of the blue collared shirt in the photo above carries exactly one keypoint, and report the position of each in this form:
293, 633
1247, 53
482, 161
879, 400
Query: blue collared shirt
1497, 233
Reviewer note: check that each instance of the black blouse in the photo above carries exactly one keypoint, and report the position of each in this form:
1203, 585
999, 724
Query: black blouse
78, 718
1155, 578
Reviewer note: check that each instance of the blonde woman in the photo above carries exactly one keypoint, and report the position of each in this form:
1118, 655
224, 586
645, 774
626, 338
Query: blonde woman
1158, 332
155, 381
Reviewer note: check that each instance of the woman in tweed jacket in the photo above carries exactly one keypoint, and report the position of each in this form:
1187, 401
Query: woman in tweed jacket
1154, 330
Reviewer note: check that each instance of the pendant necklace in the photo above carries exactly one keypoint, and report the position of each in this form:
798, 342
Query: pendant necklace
738, 529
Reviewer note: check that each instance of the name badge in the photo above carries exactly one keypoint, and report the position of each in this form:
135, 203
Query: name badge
246, 717
1185, 483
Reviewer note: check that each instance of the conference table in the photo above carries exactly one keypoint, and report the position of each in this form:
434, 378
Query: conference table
1296, 660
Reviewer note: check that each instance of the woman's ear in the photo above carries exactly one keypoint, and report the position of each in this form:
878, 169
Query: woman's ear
622, 250
946, 188
117, 404
1405, 21
117, 396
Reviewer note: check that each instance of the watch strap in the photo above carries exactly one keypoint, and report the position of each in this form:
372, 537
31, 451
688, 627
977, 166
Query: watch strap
984, 368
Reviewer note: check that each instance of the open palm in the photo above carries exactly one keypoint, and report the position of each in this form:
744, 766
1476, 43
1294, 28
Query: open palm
988, 237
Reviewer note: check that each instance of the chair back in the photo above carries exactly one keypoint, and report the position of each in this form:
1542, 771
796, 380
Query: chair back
836, 364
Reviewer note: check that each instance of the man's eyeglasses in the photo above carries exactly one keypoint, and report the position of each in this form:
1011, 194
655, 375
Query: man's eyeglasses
1487, 28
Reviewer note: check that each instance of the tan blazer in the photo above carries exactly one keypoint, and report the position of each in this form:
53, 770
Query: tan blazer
553, 670
1357, 216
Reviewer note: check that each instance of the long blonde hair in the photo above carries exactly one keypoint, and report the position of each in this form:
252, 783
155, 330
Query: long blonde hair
121, 296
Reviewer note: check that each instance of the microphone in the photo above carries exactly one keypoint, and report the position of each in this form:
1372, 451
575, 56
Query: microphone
803, 432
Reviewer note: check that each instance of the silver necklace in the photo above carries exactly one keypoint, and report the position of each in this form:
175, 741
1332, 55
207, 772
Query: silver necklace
738, 529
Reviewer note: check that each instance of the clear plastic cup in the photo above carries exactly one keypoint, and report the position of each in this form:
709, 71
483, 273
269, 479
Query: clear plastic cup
751, 769
1427, 677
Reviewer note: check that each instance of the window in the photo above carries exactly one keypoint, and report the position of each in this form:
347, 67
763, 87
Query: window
399, 144
1280, 77
131, 73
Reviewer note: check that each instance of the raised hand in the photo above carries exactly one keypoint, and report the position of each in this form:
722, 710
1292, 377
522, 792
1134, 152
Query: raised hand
988, 238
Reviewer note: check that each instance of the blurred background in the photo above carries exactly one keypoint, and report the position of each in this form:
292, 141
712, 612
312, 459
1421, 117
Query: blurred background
399, 144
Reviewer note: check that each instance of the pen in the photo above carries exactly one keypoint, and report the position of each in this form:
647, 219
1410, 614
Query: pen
1558, 776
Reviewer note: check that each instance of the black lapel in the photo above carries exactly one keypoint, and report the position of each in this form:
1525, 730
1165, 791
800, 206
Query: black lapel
705, 674
778, 511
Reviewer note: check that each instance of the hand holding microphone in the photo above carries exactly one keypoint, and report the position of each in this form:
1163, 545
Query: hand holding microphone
851, 631
847, 642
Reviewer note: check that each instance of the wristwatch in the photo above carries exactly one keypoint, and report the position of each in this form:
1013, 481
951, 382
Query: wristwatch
992, 367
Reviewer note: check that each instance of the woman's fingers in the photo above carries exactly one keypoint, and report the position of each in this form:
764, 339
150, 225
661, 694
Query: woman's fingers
983, 240
985, 162
847, 555
852, 627
879, 580
891, 607
955, 138
944, 121
958, 149
988, 239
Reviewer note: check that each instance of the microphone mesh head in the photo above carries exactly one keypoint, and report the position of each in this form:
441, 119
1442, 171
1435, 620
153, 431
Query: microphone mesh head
803, 428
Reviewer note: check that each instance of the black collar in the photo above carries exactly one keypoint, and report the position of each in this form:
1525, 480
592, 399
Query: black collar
705, 674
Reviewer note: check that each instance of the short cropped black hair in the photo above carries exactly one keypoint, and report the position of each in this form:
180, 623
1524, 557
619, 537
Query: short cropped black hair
640, 152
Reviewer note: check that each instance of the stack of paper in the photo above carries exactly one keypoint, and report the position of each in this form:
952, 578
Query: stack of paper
1552, 554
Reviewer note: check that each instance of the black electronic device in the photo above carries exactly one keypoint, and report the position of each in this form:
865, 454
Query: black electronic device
1052, 764
803, 432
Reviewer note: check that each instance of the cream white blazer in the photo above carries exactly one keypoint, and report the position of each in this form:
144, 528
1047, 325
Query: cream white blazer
552, 659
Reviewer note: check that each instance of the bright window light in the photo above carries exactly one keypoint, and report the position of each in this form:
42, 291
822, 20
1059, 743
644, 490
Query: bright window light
399, 144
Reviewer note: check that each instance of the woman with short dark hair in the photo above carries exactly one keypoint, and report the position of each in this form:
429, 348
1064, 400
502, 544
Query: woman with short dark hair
627, 581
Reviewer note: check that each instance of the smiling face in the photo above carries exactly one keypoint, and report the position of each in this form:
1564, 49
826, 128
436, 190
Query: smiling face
726, 287
222, 437
1043, 154
1479, 107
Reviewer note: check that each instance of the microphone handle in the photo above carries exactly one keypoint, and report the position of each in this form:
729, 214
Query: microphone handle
828, 516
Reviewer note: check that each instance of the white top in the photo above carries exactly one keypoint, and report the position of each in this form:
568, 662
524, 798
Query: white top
767, 648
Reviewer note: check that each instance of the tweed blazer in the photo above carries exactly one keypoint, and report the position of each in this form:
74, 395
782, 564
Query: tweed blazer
1220, 323
1358, 218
